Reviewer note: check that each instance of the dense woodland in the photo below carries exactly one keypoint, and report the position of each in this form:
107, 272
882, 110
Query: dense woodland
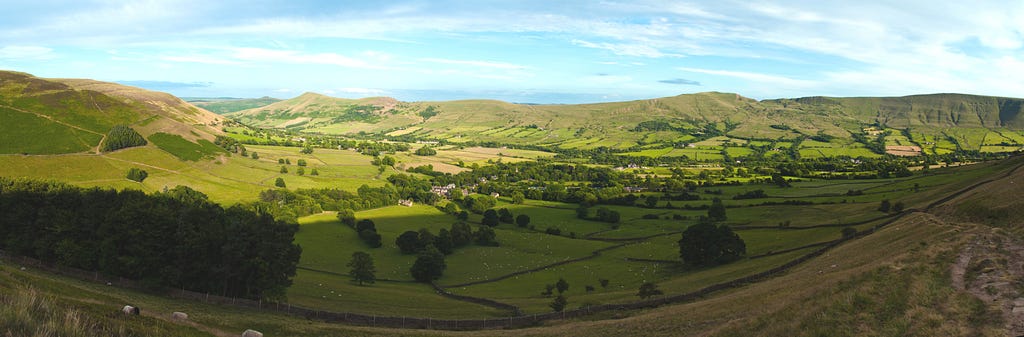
176, 238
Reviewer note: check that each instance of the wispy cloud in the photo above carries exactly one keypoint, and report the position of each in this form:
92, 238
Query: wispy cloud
165, 85
751, 76
680, 81
626, 49
26, 52
481, 64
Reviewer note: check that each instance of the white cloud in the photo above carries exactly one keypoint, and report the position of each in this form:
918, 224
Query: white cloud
26, 52
481, 64
626, 49
755, 77
204, 59
363, 91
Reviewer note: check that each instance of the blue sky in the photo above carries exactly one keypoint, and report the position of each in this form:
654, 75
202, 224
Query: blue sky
524, 51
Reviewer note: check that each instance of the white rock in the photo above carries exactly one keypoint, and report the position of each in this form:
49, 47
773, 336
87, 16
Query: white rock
179, 315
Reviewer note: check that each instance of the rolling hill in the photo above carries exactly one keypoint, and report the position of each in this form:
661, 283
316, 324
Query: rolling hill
928, 119
61, 116
224, 105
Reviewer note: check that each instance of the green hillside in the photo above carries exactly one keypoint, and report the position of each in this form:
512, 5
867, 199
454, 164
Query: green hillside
222, 106
55, 116
934, 124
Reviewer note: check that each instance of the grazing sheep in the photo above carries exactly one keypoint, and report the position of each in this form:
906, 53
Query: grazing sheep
179, 316
130, 310
252, 333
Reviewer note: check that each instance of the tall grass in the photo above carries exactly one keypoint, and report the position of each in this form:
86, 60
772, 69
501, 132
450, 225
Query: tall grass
27, 312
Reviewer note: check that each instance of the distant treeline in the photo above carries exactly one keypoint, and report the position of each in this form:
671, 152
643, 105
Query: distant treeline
176, 238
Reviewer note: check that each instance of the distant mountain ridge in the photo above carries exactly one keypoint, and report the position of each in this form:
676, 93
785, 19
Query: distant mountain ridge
615, 124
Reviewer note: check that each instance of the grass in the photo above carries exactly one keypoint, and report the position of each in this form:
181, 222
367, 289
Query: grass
30, 134
184, 149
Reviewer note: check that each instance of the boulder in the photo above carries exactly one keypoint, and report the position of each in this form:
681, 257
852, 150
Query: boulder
181, 316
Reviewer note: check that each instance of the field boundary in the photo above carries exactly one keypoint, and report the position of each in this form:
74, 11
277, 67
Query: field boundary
494, 323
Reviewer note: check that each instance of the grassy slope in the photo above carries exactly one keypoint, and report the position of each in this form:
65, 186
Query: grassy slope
608, 124
225, 106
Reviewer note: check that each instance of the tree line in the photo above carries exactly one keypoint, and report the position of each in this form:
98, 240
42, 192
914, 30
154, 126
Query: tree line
175, 238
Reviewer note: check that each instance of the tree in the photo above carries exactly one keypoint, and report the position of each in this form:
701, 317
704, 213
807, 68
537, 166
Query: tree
705, 244
429, 265
462, 234
885, 206
301, 171
779, 180
279, 182
284, 169
897, 207
137, 174
562, 286
604, 282
559, 303
371, 238
314, 172
651, 201
716, 212
523, 220
504, 215
120, 137
462, 216
848, 232
648, 289
582, 212
425, 151
444, 243
306, 150
255, 155
549, 289
518, 198
288, 161
347, 217
425, 238
366, 224
485, 236
280, 160
490, 218
407, 242
301, 162
387, 161
362, 268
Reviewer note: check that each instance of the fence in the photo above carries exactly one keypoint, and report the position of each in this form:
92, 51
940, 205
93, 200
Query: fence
445, 324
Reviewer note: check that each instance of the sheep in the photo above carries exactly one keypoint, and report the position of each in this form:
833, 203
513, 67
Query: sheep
252, 333
177, 315
130, 310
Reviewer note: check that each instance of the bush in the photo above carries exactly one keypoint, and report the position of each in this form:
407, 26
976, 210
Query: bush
279, 182
137, 174
426, 151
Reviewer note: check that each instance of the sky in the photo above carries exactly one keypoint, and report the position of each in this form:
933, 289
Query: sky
523, 51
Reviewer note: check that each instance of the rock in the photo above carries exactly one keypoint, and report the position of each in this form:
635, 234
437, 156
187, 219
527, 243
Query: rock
1018, 310
179, 315
252, 333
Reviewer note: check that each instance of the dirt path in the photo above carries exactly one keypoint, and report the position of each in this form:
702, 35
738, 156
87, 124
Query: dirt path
991, 267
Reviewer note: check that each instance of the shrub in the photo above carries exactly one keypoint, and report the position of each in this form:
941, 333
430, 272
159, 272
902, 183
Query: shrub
137, 174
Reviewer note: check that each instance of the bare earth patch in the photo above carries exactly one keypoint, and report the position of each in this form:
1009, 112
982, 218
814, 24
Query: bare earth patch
991, 267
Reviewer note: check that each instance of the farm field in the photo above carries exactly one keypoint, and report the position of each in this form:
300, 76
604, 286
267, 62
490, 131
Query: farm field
635, 251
